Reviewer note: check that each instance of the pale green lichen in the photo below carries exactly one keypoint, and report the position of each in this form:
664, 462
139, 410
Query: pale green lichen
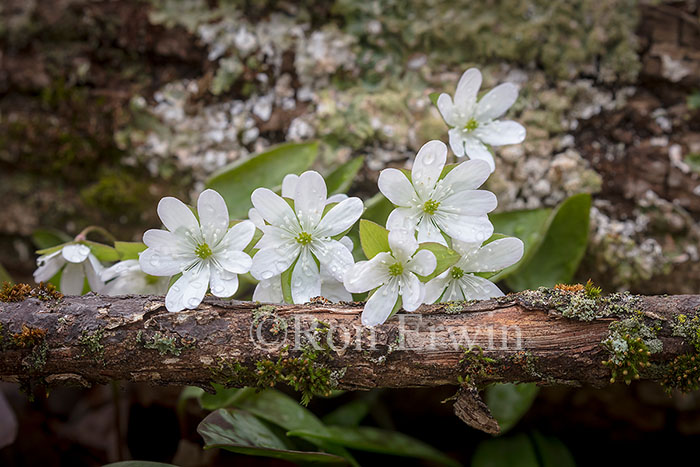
630, 343
92, 344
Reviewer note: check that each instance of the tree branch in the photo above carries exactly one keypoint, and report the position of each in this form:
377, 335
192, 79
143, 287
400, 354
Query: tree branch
550, 336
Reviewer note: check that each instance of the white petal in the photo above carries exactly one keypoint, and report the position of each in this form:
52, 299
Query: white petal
289, 185
75, 253
163, 240
237, 238
404, 218
469, 175
501, 132
435, 287
465, 248
93, 271
403, 244
496, 102
120, 269
337, 198
269, 290
495, 256
274, 261
334, 256
223, 283
233, 261
397, 188
380, 305
306, 279
310, 199
412, 292
157, 263
478, 288
340, 218
368, 275
448, 111
274, 209
177, 217
256, 218
48, 266
72, 279
457, 141
195, 286
423, 263
332, 289
427, 167
347, 243
213, 216
453, 293
428, 232
273, 237
475, 149
469, 203
466, 228
467, 89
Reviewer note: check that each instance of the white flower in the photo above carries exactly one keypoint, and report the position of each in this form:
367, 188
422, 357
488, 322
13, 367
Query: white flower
79, 263
393, 274
460, 283
270, 290
126, 277
452, 205
301, 237
473, 124
206, 251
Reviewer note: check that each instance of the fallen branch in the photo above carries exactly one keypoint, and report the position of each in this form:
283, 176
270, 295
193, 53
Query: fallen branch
550, 336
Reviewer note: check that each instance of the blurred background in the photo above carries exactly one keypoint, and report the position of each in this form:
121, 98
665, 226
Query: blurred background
106, 106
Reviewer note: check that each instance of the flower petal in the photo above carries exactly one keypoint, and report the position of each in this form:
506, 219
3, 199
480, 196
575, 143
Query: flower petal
435, 287
213, 216
478, 288
404, 218
164, 240
347, 243
289, 185
423, 263
397, 188
223, 283
468, 175
48, 266
336, 198
334, 256
273, 237
495, 256
467, 88
412, 292
403, 244
448, 111
457, 141
501, 132
453, 293
72, 279
120, 269
380, 305
428, 232
427, 167
274, 209
196, 285
466, 228
232, 261
93, 271
269, 290
177, 217
475, 149
368, 275
238, 237
75, 253
332, 289
273, 261
255, 217
156, 262
306, 278
340, 218
496, 102
469, 203
310, 199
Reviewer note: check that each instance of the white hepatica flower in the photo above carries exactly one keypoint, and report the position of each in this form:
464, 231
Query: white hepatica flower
206, 251
393, 274
79, 263
270, 290
460, 283
301, 236
452, 205
126, 277
473, 123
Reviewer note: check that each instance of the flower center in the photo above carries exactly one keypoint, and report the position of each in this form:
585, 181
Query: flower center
457, 273
431, 206
471, 125
396, 269
203, 251
304, 238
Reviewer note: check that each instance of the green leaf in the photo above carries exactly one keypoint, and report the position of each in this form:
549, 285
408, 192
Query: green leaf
522, 450
101, 251
377, 209
4, 275
433, 96
509, 402
340, 180
561, 250
529, 226
374, 238
139, 464
48, 238
286, 278
53, 249
352, 413
445, 257
241, 432
237, 181
223, 397
129, 250
378, 440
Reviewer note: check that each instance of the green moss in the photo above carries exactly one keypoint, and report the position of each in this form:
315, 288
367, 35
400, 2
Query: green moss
163, 343
683, 373
37, 359
630, 343
117, 192
265, 313
475, 366
581, 303
92, 345
688, 328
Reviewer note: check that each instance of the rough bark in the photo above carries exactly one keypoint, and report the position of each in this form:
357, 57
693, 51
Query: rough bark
524, 337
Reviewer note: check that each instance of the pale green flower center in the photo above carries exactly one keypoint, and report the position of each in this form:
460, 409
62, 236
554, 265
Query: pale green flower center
304, 238
203, 251
457, 273
431, 206
471, 125
396, 269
